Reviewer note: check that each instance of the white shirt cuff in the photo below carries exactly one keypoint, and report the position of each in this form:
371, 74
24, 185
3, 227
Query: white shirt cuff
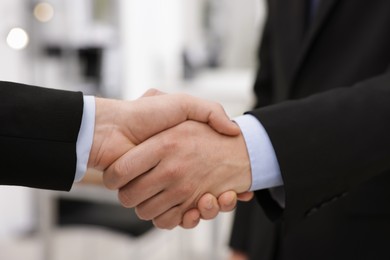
85, 137
264, 164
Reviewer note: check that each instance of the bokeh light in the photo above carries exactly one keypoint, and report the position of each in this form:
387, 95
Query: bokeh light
44, 12
17, 38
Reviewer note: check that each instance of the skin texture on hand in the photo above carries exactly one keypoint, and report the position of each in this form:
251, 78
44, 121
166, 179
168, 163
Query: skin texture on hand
120, 125
168, 173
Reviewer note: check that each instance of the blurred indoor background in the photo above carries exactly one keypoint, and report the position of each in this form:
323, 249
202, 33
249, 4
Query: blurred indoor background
119, 49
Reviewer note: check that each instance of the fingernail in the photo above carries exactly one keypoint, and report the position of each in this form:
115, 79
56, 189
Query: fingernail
231, 202
209, 204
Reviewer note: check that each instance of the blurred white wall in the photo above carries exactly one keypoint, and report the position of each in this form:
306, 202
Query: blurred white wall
151, 41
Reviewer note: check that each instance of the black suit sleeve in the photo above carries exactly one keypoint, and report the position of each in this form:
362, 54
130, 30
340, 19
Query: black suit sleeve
328, 143
38, 134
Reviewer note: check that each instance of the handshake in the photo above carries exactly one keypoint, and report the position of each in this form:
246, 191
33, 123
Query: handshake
173, 157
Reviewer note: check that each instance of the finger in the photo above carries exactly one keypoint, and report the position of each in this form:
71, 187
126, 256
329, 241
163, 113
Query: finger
208, 206
129, 166
134, 194
157, 205
170, 219
246, 196
227, 201
190, 219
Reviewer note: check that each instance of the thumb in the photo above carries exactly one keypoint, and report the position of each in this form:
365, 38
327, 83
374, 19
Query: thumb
211, 113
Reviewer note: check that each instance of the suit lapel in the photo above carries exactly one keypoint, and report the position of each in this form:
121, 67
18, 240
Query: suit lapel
324, 10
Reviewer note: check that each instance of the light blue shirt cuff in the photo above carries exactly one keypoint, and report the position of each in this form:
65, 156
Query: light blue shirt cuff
264, 164
85, 137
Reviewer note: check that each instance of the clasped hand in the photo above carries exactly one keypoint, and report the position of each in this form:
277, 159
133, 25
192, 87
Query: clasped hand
175, 158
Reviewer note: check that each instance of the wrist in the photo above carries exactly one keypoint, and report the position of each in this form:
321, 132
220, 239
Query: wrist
109, 142
245, 180
100, 131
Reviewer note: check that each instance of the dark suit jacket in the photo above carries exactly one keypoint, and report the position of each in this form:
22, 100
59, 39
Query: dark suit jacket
332, 138
38, 134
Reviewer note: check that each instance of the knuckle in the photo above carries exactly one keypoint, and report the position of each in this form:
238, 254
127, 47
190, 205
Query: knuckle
125, 199
151, 91
169, 144
218, 106
119, 170
171, 174
181, 191
142, 213
215, 106
183, 100
120, 174
187, 189
216, 111
168, 220
108, 181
